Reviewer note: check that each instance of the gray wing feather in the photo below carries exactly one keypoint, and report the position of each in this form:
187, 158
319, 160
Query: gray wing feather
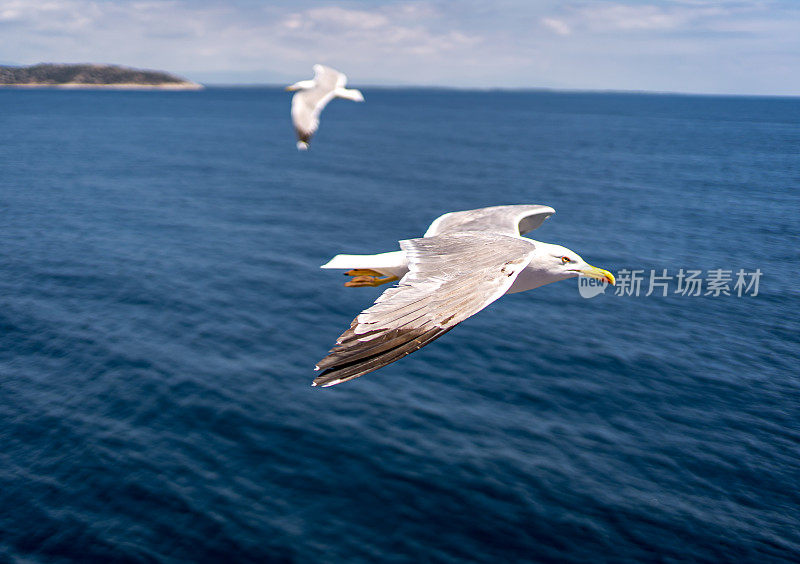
513, 220
451, 277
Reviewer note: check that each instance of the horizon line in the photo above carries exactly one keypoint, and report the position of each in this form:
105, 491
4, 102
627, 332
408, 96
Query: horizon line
281, 86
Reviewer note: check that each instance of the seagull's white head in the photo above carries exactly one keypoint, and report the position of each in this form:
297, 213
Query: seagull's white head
560, 263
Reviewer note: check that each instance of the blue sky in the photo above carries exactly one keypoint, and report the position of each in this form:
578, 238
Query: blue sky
700, 46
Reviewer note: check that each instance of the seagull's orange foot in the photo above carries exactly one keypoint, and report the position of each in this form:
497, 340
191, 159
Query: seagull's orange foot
366, 277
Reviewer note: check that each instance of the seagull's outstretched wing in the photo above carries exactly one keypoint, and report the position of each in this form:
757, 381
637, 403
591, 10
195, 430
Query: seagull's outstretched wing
308, 104
508, 220
451, 277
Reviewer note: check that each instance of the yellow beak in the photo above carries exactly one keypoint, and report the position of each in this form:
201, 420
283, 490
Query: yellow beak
291, 88
599, 273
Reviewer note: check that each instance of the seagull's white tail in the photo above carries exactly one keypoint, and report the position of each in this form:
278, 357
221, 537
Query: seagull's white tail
349, 94
393, 263
302, 146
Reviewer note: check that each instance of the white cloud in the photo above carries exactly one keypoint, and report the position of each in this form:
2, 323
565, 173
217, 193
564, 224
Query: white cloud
619, 16
340, 30
54, 16
624, 17
336, 17
557, 26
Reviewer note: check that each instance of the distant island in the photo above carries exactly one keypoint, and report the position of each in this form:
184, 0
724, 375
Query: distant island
50, 75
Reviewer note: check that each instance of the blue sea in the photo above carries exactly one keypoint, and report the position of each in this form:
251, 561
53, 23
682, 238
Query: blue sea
162, 309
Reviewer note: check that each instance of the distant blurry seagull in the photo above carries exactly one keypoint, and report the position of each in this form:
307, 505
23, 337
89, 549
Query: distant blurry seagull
465, 261
312, 96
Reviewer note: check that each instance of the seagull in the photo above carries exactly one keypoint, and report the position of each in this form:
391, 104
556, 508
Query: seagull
465, 261
312, 96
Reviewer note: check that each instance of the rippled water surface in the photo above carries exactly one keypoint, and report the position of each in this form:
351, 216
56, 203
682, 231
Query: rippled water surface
161, 311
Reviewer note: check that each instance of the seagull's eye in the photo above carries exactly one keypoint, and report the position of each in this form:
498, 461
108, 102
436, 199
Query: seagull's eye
565, 260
